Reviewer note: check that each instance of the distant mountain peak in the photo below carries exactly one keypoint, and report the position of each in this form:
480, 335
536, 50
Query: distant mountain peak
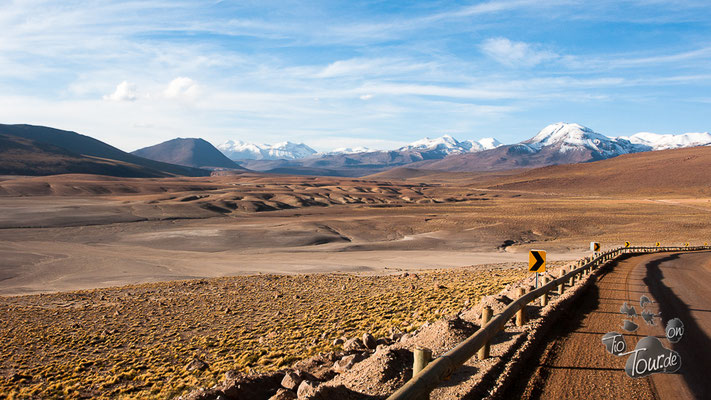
192, 152
446, 145
239, 150
663, 142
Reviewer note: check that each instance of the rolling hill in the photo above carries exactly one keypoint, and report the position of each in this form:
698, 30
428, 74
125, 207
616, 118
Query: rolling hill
664, 172
190, 152
22, 156
78, 144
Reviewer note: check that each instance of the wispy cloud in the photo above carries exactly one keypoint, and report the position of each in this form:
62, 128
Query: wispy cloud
515, 53
313, 72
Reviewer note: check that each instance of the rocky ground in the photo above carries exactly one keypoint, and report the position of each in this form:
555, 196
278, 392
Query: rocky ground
161, 340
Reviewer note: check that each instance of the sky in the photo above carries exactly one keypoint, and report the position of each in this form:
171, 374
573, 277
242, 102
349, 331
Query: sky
353, 73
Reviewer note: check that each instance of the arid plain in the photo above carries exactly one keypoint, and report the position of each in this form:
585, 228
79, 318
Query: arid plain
353, 237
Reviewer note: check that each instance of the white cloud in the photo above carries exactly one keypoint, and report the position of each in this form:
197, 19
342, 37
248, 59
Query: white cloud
181, 87
125, 91
515, 53
366, 96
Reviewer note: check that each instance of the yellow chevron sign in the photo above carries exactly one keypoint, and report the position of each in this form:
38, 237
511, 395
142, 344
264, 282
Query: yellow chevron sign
627, 244
594, 246
686, 244
658, 244
537, 261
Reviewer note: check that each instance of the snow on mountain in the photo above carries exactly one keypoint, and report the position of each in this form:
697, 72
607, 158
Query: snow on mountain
288, 151
570, 137
489, 143
664, 142
239, 150
350, 150
446, 145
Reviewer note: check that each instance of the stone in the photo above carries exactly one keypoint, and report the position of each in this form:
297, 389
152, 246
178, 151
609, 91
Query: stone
307, 390
369, 341
352, 344
196, 365
291, 380
344, 364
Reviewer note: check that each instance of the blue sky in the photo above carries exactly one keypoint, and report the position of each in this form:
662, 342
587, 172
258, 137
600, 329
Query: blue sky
354, 73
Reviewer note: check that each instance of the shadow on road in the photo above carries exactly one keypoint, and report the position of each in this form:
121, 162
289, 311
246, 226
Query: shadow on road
694, 347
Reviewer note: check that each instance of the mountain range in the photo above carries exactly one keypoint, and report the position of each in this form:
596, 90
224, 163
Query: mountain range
239, 150
36, 150
559, 143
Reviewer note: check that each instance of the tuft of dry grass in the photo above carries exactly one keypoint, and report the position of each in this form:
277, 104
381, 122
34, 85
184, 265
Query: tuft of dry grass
134, 341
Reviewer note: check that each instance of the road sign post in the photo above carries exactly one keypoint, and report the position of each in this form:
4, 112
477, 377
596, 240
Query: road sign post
537, 262
594, 247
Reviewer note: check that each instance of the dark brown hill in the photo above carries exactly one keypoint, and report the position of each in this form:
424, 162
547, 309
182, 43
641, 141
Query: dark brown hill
666, 172
88, 146
21, 156
190, 152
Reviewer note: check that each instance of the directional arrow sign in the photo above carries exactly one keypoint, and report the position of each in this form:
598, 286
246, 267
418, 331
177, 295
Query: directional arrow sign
594, 246
627, 244
658, 244
686, 244
537, 261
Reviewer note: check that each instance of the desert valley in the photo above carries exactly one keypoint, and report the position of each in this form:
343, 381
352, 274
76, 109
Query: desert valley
242, 259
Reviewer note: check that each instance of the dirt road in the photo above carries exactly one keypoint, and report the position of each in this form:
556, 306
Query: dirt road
574, 362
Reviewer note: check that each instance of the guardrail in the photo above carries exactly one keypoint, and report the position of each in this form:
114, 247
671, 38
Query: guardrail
440, 369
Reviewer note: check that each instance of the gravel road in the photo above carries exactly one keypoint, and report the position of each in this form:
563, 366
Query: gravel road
574, 363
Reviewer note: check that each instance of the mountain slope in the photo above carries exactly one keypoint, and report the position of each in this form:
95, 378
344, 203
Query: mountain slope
654, 173
21, 156
88, 146
189, 152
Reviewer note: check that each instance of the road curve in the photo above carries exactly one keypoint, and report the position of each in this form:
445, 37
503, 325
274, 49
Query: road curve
573, 363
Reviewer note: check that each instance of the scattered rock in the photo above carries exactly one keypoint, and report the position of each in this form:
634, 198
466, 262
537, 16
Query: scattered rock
344, 364
307, 390
369, 341
291, 380
337, 341
196, 365
352, 344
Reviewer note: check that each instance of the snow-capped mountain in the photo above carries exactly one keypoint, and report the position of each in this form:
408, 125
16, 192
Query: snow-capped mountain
566, 137
664, 142
349, 150
239, 150
489, 143
446, 145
